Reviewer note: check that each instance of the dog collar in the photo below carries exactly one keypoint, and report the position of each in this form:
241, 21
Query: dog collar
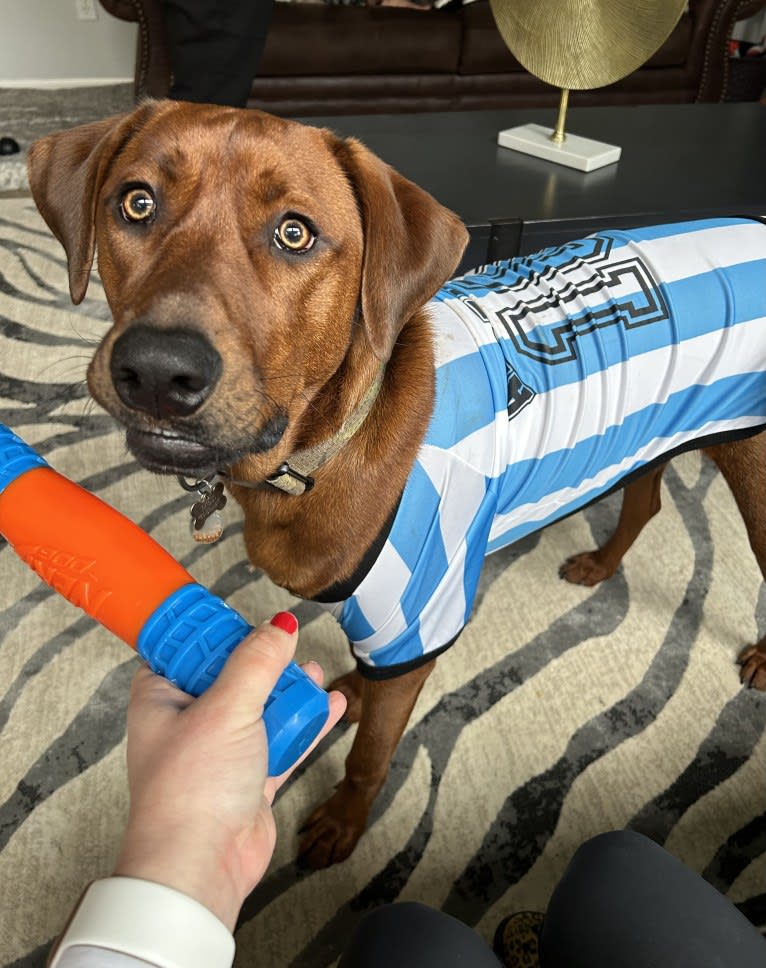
293, 476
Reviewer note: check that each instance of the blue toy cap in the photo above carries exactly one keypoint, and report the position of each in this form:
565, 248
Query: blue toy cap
295, 713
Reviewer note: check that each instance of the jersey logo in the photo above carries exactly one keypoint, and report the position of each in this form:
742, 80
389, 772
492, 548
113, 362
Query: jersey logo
519, 394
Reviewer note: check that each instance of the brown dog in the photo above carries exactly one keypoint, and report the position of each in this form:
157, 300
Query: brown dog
263, 271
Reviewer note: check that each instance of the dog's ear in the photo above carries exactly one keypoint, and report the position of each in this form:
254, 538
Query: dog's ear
66, 171
412, 244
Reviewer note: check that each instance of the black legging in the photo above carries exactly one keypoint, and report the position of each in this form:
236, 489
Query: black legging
215, 47
623, 901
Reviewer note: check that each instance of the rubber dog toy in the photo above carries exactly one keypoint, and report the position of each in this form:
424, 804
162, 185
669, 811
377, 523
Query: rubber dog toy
100, 561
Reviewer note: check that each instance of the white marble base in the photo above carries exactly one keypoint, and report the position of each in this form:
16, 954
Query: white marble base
575, 152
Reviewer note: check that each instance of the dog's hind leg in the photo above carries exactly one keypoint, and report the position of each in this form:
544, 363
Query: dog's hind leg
743, 465
640, 502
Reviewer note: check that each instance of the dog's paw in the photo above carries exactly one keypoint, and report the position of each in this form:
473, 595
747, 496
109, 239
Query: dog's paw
584, 569
752, 667
331, 832
351, 687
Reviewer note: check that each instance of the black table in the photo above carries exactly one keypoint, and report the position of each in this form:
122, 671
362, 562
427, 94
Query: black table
678, 161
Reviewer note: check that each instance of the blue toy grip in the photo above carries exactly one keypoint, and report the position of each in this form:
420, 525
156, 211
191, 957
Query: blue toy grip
188, 639
16, 457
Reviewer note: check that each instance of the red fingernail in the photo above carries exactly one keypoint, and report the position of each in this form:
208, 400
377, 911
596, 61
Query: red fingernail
285, 621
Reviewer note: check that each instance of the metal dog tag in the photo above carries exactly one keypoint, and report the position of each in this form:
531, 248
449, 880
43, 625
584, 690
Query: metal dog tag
210, 530
206, 521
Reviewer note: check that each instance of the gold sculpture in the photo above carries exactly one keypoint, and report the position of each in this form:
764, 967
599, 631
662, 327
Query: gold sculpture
583, 44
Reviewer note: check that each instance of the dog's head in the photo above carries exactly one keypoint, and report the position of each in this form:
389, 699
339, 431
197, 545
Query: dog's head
244, 257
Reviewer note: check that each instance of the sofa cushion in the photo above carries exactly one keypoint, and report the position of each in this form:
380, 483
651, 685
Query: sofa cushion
317, 39
675, 51
484, 50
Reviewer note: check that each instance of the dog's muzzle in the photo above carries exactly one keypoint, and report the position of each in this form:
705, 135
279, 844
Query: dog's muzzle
164, 373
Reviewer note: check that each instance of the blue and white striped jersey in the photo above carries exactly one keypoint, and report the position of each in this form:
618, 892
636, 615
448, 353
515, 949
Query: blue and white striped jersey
559, 374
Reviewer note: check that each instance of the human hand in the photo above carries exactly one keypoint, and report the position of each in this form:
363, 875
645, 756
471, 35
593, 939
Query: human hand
200, 799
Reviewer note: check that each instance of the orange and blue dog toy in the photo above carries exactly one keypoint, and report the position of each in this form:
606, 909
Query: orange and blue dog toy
106, 565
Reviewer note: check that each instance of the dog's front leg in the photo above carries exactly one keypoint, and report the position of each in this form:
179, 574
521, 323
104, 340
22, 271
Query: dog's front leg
333, 829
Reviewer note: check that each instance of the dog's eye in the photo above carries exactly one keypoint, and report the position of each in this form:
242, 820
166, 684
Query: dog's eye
294, 235
138, 205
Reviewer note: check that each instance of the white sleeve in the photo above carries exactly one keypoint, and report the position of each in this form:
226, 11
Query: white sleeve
86, 956
125, 922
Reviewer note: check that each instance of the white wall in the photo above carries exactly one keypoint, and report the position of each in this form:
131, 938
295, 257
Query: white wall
43, 41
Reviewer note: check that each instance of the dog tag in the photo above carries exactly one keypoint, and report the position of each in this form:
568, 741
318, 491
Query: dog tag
206, 523
210, 531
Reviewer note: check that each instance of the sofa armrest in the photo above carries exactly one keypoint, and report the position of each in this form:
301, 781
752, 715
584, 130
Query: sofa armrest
152, 76
713, 23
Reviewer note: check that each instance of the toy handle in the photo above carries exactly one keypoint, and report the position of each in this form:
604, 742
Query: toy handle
188, 639
103, 563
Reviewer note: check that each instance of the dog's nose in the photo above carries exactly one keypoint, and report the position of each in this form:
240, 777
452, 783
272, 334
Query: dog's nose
166, 373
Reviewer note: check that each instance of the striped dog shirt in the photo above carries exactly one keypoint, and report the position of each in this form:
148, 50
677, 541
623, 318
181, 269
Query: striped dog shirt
559, 375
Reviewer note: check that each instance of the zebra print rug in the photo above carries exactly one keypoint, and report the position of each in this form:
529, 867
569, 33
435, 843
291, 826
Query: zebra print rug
562, 712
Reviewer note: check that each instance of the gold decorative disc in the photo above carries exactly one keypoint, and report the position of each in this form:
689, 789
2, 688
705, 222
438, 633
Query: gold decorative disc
582, 44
